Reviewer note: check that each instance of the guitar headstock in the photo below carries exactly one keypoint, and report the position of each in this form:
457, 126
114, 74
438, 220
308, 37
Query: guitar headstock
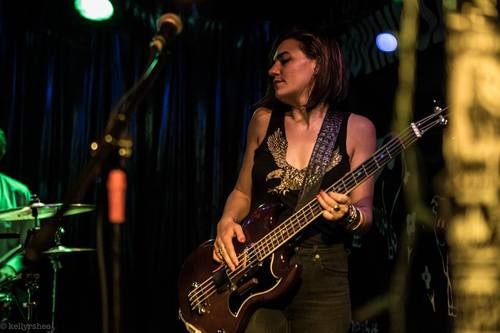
438, 117
441, 113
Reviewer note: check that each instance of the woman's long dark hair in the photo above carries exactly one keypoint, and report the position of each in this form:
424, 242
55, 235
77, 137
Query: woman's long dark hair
330, 80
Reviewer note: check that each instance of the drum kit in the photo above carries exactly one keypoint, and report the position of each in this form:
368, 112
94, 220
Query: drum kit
34, 212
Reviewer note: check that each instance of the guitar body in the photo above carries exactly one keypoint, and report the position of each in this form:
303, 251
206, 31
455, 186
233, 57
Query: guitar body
214, 299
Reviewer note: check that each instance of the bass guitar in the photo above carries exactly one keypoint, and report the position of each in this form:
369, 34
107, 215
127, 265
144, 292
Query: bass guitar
214, 299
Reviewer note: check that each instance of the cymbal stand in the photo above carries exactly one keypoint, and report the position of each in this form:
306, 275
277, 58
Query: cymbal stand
56, 266
35, 204
31, 282
31, 279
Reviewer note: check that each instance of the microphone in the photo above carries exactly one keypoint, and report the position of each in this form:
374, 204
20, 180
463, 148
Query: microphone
169, 25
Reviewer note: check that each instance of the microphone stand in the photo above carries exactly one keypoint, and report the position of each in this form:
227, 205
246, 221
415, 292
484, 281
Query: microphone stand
112, 145
101, 151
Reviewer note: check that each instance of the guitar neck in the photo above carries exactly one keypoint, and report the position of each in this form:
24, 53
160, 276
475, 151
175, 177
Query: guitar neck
312, 210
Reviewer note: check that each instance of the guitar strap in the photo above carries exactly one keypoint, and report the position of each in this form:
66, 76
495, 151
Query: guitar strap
320, 158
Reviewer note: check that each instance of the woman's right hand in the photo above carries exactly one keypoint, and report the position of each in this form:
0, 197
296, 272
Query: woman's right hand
227, 229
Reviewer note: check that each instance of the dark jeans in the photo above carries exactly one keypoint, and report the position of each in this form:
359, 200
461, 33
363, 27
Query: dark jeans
321, 302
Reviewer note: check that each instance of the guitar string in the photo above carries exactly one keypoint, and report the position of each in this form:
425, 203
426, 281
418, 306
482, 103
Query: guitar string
269, 238
407, 137
399, 144
370, 163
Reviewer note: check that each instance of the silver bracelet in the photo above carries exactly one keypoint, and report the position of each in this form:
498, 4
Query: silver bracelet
352, 219
361, 220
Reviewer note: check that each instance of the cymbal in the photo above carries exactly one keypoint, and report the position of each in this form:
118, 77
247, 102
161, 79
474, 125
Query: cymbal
60, 249
44, 211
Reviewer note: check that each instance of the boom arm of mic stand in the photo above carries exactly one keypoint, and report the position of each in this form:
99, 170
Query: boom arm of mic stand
117, 124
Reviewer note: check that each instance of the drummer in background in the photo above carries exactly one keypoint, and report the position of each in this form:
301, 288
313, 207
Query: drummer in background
13, 194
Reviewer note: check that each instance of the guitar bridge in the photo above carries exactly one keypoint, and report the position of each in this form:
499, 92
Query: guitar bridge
198, 304
201, 309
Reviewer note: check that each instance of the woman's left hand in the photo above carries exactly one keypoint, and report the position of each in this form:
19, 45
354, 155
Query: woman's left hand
335, 205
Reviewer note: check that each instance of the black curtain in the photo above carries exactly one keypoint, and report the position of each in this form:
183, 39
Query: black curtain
60, 83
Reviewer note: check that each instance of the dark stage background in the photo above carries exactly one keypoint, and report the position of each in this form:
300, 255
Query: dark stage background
60, 76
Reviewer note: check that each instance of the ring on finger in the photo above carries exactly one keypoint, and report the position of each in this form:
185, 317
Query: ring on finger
336, 207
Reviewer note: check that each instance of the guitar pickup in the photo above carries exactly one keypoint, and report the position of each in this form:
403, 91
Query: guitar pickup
220, 278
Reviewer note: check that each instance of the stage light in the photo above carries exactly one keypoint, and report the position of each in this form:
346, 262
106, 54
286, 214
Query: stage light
95, 10
386, 42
